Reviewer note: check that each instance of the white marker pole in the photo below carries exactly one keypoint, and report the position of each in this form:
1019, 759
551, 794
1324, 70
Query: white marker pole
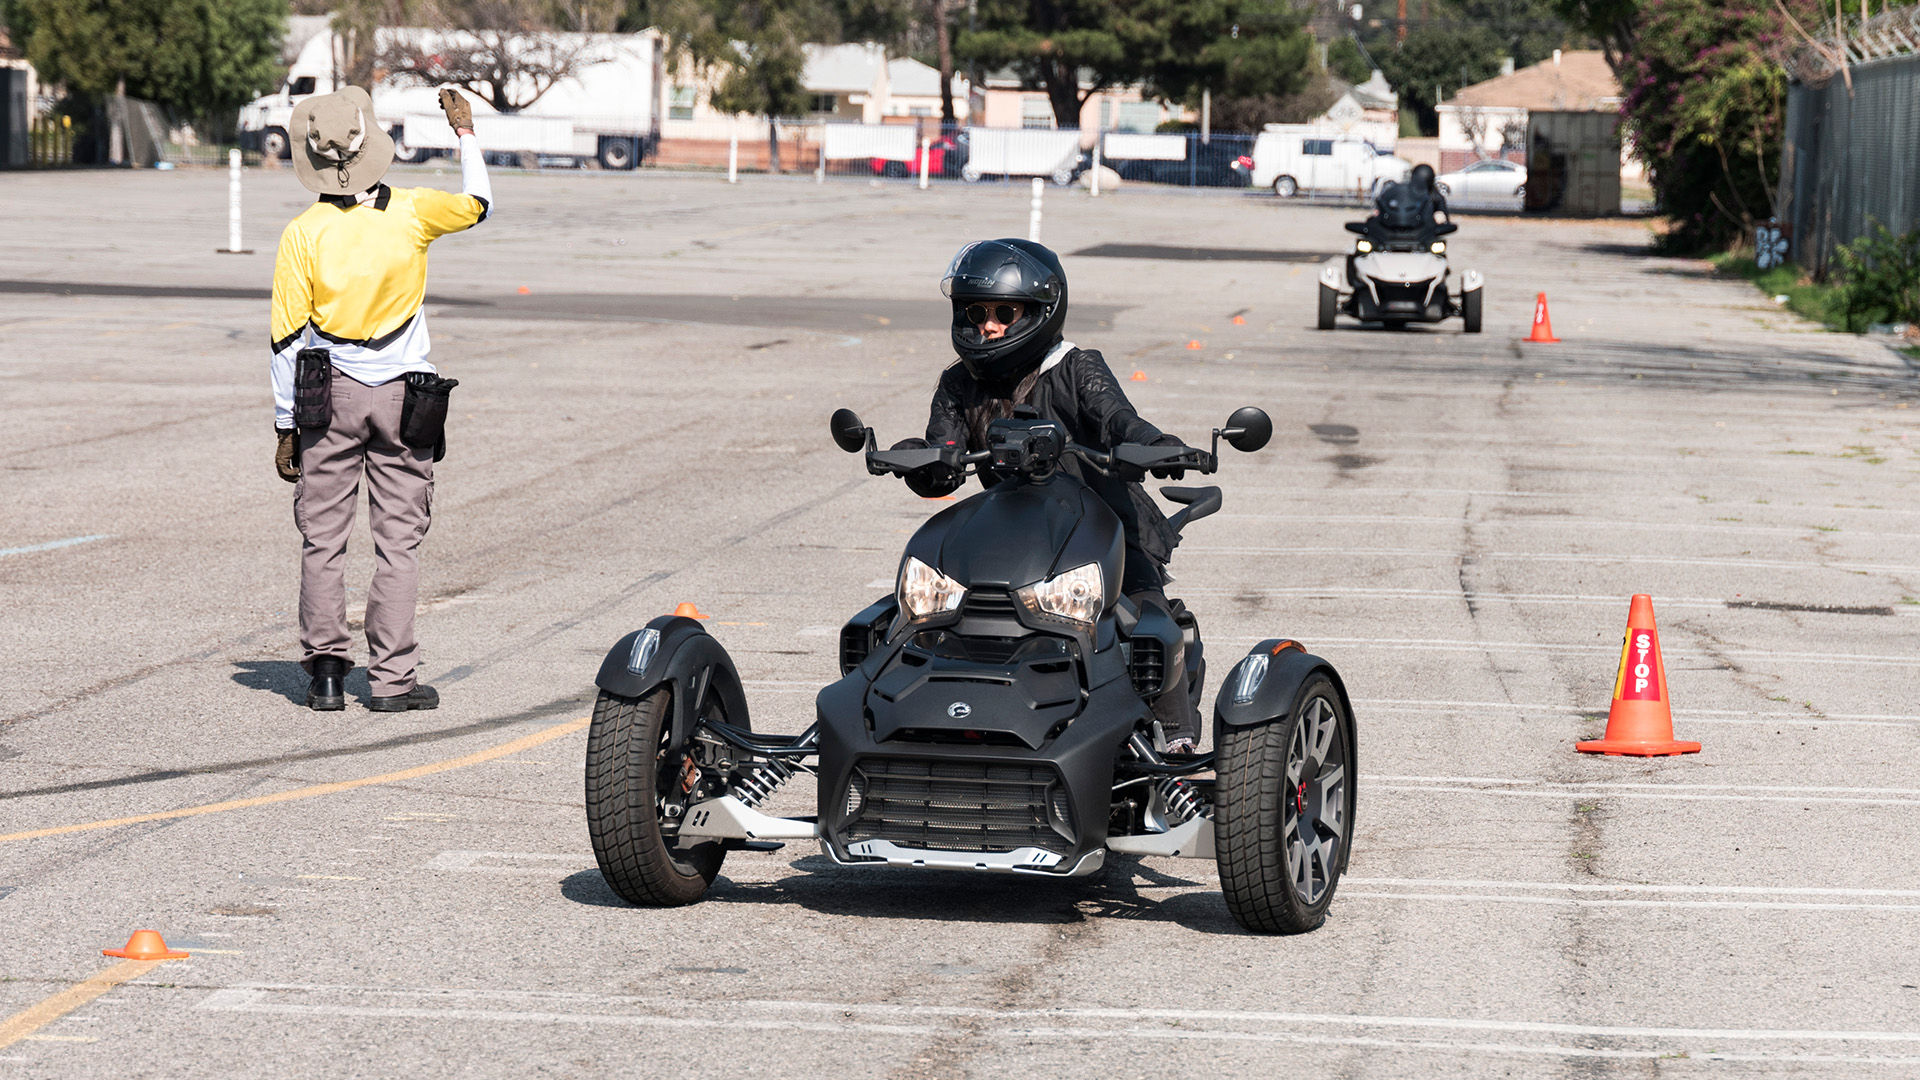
925, 146
233, 206
1033, 219
733, 157
1095, 183
820, 166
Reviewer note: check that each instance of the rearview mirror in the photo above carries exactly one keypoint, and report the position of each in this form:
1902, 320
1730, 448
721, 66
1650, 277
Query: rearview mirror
849, 433
1357, 227
1248, 429
1446, 227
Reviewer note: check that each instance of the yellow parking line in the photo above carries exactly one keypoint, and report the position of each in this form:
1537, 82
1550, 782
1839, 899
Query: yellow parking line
34, 1017
526, 742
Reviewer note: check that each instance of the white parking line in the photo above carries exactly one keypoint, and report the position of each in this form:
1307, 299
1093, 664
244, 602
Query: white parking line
1671, 792
1692, 715
1588, 559
1456, 596
1014, 1026
52, 545
1671, 652
1629, 887
1552, 522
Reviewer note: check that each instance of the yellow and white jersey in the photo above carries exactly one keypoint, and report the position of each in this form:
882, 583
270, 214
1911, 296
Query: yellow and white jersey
351, 276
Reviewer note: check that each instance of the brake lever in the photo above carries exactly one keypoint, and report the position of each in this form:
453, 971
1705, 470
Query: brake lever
1099, 462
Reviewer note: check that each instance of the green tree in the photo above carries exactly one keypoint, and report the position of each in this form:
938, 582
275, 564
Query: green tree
755, 48
1347, 62
1612, 23
194, 57
1178, 48
1436, 59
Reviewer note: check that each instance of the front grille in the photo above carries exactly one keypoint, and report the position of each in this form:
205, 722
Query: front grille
988, 604
960, 805
1149, 665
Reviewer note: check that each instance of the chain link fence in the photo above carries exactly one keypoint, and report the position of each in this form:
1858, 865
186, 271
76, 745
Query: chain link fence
1850, 159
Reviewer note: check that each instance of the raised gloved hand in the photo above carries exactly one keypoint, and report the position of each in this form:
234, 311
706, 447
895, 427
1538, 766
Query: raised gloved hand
1169, 472
458, 109
286, 454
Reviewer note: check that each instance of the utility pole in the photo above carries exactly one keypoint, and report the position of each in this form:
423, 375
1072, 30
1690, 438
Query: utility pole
1400, 33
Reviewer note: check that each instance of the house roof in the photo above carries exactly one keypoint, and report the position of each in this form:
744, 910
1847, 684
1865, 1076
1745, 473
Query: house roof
849, 68
1578, 81
911, 78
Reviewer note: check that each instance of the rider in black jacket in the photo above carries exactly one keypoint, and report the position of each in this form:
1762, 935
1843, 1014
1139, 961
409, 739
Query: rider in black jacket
1009, 306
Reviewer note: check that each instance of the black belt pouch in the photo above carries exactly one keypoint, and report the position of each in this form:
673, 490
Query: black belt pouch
423, 413
313, 390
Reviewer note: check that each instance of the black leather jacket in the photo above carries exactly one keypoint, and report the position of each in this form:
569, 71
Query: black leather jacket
1081, 393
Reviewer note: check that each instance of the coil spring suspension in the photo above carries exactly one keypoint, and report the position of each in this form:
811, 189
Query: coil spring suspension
760, 780
1183, 802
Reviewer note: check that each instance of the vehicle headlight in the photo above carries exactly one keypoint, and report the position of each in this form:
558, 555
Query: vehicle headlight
1439, 247
925, 591
1245, 680
1075, 595
1363, 246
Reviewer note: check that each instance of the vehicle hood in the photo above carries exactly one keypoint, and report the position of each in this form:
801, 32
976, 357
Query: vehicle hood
1015, 534
1400, 267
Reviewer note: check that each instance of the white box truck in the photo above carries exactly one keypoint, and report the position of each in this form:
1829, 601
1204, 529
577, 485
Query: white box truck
1296, 159
607, 110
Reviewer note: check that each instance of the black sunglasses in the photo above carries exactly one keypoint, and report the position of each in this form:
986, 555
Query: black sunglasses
1004, 314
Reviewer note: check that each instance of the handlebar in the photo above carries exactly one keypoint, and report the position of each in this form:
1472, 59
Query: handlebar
1134, 456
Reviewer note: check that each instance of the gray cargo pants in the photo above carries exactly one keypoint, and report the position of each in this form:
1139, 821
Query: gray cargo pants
364, 440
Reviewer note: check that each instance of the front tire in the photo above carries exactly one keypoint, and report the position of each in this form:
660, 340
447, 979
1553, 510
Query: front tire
630, 764
618, 153
275, 144
1286, 187
1470, 311
406, 155
1284, 811
1329, 305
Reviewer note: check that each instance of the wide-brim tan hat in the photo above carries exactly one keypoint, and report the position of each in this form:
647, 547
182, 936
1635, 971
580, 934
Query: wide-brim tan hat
339, 148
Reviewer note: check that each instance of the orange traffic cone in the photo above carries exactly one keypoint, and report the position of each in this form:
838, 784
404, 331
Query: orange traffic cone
1193, 344
1542, 326
1138, 376
1239, 320
1641, 720
688, 611
145, 945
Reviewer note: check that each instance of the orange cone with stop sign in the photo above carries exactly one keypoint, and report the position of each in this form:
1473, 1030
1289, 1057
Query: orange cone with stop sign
1641, 720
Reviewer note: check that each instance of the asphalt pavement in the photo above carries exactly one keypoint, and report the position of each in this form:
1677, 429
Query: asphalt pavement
647, 365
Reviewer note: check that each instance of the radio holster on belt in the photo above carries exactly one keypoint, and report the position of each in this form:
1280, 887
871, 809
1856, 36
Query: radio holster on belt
313, 390
423, 412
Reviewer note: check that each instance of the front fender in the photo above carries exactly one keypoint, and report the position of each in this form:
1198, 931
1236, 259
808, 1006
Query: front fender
1333, 273
1471, 280
676, 652
1278, 694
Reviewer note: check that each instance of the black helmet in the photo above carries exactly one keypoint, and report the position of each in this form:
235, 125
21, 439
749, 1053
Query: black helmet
1006, 270
1423, 177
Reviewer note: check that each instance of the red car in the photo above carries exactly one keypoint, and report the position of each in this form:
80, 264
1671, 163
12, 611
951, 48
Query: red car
910, 166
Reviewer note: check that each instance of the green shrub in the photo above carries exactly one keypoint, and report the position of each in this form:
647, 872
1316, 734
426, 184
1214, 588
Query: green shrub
1879, 277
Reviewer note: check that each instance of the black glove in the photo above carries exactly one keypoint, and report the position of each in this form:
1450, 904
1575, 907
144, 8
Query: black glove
286, 454
929, 481
1169, 472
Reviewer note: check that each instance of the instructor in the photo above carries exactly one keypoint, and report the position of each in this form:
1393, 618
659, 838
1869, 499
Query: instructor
353, 393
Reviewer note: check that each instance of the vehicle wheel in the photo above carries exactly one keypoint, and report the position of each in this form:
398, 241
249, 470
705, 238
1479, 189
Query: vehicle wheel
1283, 813
1285, 187
406, 155
632, 771
970, 174
1520, 192
275, 144
1443, 189
1062, 176
1470, 310
1329, 305
618, 154
896, 169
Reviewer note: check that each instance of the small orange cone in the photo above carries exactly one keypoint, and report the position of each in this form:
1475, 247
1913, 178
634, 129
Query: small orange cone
524, 291
145, 945
1542, 326
688, 611
1137, 376
1193, 344
1641, 720
1239, 320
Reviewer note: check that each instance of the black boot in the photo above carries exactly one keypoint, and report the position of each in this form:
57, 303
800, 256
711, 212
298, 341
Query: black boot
420, 697
327, 691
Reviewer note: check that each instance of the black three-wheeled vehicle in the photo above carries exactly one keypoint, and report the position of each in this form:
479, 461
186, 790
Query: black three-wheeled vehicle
992, 714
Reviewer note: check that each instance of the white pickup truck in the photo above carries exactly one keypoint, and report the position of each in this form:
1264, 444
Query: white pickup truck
607, 111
